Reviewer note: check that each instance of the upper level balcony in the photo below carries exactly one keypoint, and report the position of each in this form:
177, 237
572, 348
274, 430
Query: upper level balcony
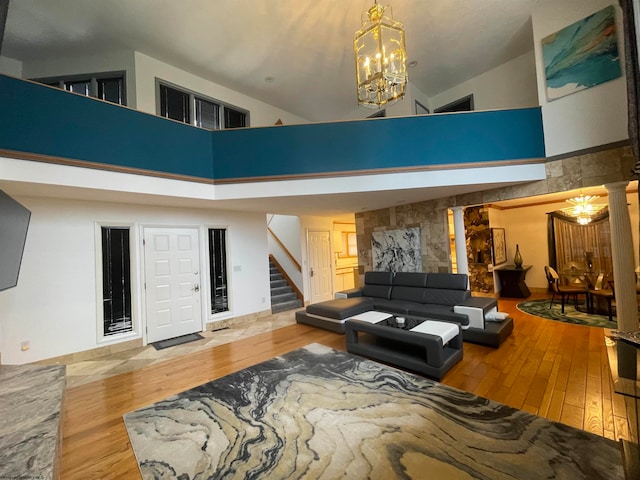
472, 151
45, 124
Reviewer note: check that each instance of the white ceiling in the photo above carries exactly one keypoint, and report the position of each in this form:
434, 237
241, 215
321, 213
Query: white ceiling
306, 46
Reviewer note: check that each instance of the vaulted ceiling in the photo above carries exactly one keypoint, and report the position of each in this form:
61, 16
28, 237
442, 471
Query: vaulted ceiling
305, 47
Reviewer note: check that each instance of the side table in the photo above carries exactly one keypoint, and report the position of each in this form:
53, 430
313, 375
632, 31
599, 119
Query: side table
512, 281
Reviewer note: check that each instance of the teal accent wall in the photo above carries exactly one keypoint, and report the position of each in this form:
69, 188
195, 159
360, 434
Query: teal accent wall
387, 143
47, 121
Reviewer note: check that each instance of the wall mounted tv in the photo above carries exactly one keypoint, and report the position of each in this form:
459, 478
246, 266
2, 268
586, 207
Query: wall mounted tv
14, 222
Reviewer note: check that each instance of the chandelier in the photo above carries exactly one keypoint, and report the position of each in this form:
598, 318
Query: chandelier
583, 209
381, 66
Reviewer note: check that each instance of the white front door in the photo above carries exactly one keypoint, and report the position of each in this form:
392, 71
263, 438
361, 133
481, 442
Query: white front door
319, 253
172, 282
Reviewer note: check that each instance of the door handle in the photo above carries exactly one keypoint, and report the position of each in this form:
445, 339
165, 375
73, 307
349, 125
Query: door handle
196, 288
311, 273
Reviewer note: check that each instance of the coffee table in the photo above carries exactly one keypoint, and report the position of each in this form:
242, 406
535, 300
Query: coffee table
426, 346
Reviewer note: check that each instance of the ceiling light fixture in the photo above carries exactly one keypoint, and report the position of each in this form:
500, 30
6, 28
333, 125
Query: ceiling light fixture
583, 209
381, 58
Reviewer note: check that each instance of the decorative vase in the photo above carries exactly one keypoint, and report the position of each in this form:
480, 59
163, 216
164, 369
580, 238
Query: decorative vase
517, 259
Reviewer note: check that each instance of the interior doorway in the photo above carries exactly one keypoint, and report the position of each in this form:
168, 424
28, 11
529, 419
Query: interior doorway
320, 272
172, 282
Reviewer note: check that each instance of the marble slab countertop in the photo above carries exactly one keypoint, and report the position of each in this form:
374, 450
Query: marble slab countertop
30, 420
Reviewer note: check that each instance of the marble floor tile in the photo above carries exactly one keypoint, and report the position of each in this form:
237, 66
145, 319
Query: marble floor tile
82, 372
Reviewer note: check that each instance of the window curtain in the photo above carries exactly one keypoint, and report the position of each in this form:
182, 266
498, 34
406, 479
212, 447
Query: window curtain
572, 244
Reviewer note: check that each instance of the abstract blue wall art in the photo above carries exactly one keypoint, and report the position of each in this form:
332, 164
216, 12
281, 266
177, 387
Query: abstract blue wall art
582, 55
397, 250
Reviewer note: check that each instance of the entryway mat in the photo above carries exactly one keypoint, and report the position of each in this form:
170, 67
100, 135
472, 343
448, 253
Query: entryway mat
172, 342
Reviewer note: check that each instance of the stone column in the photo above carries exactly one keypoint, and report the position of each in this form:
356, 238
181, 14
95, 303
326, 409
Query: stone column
460, 240
623, 258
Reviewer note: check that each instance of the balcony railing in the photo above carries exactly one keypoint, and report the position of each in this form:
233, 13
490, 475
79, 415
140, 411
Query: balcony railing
44, 123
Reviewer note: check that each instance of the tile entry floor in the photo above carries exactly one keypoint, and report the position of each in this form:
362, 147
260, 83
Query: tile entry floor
86, 371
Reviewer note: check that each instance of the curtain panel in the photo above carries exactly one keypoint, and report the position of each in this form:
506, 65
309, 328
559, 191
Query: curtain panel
579, 247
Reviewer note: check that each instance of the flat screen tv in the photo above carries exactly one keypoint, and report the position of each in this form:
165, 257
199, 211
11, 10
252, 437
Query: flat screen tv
14, 222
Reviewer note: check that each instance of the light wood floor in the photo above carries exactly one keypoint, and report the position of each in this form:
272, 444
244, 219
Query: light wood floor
552, 369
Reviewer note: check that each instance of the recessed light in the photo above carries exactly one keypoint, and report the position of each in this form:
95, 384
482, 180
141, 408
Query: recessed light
269, 79
412, 63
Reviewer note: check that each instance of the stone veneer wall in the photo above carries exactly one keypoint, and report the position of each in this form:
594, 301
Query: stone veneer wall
568, 173
478, 239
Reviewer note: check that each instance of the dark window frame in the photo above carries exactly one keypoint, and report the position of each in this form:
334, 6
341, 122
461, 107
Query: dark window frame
117, 296
94, 79
194, 97
464, 104
218, 269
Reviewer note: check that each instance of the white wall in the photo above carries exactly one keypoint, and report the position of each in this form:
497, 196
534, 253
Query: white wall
527, 227
9, 66
142, 71
148, 68
588, 118
54, 306
287, 229
510, 85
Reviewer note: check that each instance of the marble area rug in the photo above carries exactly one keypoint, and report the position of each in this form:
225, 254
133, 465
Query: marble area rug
317, 413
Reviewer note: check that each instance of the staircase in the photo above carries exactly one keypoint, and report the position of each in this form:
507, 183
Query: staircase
282, 295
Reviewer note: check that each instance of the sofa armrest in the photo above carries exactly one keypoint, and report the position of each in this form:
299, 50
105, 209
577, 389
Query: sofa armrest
485, 303
476, 308
352, 292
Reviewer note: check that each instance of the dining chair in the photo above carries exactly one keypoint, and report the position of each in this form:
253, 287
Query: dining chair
603, 289
564, 291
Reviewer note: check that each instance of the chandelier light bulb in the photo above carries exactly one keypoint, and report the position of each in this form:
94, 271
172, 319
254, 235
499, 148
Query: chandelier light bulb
583, 208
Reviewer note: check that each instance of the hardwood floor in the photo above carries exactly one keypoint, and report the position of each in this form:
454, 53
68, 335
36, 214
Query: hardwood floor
552, 369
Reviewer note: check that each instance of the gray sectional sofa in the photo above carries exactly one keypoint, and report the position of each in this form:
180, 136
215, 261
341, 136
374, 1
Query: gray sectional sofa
436, 296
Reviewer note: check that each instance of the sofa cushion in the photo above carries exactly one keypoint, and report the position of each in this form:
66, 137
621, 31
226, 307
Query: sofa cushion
378, 278
341, 308
393, 306
412, 294
441, 296
451, 281
377, 291
410, 279
438, 312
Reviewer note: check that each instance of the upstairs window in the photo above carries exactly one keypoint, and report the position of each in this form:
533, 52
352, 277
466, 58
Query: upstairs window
174, 104
195, 109
108, 86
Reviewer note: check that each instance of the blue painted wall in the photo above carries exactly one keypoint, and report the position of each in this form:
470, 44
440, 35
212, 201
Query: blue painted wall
380, 144
47, 121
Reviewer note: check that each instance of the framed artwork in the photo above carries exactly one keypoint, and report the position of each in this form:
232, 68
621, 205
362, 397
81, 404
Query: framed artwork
421, 109
582, 55
498, 246
397, 250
